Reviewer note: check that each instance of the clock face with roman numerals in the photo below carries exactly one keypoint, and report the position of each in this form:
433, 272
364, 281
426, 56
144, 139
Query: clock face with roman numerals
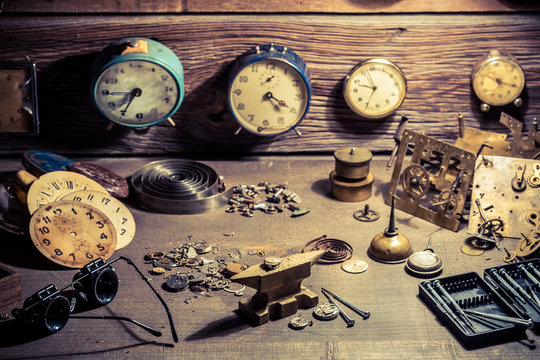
54, 185
72, 234
118, 213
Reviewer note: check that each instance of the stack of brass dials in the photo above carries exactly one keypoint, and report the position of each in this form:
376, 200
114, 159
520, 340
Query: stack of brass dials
351, 180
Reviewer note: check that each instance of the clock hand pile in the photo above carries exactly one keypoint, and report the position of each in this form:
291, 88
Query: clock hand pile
269, 96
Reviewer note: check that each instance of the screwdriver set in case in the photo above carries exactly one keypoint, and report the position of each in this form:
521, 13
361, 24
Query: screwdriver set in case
482, 311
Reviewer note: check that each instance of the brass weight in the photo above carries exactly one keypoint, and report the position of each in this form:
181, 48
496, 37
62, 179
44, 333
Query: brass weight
351, 181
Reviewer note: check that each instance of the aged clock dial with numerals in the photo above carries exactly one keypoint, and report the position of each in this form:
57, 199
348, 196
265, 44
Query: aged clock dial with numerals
269, 90
72, 233
375, 88
497, 80
118, 213
54, 185
137, 82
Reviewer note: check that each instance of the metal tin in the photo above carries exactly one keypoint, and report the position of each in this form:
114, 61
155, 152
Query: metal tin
114, 183
40, 162
352, 162
351, 191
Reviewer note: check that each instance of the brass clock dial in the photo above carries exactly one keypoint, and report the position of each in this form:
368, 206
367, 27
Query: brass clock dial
269, 90
54, 185
497, 80
72, 234
117, 212
375, 88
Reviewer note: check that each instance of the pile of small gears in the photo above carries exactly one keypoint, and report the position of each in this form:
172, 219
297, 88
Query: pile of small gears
265, 197
185, 266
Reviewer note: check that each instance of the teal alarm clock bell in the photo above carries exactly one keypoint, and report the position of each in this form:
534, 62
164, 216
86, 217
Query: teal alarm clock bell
137, 82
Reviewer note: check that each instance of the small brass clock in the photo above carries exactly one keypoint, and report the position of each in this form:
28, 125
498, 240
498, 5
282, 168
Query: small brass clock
498, 80
137, 82
18, 99
269, 90
375, 88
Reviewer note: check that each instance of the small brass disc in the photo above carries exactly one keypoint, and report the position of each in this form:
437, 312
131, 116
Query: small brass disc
471, 250
354, 266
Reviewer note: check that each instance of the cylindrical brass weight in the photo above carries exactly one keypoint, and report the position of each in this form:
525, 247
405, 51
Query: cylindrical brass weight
352, 162
349, 190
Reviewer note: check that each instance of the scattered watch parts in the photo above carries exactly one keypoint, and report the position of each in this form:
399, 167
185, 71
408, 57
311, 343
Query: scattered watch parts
118, 213
178, 186
55, 185
137, 82
269, 90
502, 187
266, 197
433, 185
366, 214
299, 323
72, 233
351, 181
326, 311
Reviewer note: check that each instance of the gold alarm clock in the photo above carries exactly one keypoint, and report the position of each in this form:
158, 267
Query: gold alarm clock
375, 88
498, 80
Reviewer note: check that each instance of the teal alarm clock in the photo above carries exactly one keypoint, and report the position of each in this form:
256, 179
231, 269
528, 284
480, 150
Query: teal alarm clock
269, 90
137, 82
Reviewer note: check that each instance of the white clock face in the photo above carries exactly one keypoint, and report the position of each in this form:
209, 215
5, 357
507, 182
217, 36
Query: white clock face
375, 89
136, 93
498, 82
268, 97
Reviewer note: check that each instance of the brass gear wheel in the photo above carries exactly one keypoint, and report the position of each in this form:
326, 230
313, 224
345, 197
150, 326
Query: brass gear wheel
533, 180
415, 181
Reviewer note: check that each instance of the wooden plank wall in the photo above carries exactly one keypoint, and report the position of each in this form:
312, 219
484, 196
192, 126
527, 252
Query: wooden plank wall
435, 46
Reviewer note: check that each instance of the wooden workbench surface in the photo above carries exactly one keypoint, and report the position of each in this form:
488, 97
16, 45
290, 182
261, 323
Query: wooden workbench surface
400, 326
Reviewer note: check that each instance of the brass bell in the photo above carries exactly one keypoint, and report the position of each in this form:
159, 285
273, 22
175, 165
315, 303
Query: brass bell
390, 246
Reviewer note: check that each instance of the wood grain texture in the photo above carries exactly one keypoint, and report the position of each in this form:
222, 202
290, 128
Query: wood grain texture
436, 52
400, 326
267, 6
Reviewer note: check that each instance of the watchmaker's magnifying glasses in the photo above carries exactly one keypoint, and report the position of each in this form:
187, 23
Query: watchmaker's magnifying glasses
95, 284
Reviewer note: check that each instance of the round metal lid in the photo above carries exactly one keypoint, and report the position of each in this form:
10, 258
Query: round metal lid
353, 156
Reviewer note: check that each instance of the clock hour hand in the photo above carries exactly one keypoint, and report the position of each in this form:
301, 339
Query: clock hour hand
269, 96
129, 99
